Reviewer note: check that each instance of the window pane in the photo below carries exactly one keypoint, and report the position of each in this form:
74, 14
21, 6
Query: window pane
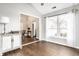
63, 21
59, 26
63, 33
51, 33
51, 27
51, 22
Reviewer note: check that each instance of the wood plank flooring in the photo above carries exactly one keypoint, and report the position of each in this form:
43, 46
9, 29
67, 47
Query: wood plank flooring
28, 40
44, 48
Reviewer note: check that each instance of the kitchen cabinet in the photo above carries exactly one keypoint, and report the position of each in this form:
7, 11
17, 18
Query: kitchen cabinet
17, 41
9, 42
6, 42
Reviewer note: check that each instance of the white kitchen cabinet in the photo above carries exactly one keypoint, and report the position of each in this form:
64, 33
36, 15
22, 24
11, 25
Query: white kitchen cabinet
6, 42
9, 42
17, 41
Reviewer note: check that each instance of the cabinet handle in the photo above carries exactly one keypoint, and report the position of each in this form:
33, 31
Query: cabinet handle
12, 40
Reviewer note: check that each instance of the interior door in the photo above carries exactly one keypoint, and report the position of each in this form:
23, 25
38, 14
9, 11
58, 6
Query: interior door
32, 30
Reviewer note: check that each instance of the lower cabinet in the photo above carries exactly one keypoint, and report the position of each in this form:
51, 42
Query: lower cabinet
6, 42
9, 42
17, 41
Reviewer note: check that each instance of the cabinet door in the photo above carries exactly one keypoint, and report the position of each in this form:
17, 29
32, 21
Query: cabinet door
6, 44
17, 41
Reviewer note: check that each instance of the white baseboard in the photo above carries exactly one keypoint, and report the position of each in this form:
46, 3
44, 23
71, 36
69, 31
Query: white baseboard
61, 44
76, 47
30, 43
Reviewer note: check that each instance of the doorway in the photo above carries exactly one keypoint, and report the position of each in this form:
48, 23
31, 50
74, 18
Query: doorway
29, 26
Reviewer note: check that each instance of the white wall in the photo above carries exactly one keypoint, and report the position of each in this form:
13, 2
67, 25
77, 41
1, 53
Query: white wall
76, 42
43, 28
13, 11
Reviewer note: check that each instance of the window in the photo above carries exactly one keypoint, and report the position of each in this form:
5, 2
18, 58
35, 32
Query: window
51, 27
57, 26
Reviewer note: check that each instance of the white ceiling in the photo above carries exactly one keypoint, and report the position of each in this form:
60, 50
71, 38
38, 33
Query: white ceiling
47, 8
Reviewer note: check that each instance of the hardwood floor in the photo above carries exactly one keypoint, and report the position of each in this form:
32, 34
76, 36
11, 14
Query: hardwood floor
44, 48
28, 40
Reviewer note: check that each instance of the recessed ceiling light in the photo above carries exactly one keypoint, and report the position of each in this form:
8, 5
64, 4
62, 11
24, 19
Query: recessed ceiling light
42, 4
54, 7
